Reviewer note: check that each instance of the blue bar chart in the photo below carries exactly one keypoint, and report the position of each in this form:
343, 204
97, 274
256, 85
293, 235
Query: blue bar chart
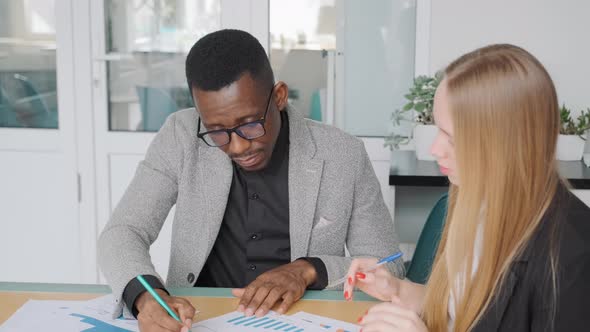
264, 323
272, 322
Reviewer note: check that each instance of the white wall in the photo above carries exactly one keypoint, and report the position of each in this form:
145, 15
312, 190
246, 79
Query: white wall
556, 32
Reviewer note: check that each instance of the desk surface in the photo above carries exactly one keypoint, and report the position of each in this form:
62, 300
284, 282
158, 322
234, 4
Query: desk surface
211, 302
406, 170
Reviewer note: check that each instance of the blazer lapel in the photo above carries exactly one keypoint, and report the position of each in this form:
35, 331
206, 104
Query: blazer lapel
305, 175
493, 318
215, 171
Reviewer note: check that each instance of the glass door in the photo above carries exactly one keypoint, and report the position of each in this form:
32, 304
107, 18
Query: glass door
302, 54
28, 65
139, 49
38, 172
348, 63
146, 45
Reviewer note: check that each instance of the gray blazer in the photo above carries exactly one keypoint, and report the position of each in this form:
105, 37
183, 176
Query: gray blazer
335, 201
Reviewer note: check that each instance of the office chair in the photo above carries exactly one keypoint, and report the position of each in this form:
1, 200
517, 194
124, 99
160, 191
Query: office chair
7, 115
156, 104
316, 106
36, 113
420, 266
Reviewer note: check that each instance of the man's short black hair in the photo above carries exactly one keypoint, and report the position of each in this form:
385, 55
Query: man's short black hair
222, 57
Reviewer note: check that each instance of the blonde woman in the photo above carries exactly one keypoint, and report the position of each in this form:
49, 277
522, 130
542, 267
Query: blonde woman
515, 251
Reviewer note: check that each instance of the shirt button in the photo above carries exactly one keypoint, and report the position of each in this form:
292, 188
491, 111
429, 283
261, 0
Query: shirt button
254, 196
252, 267
190, 278
254, 236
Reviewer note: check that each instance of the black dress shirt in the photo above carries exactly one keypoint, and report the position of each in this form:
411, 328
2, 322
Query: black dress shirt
254, 234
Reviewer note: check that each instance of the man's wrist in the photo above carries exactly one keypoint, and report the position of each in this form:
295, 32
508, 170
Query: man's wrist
134, 289
145, 296
307, 271
140, 301
320, 278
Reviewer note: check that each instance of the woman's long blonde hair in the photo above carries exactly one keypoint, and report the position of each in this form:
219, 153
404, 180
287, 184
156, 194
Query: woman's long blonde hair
505, 117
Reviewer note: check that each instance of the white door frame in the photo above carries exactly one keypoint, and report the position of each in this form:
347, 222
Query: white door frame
82, 62
423, 21
105, 142
247, 15
62, 141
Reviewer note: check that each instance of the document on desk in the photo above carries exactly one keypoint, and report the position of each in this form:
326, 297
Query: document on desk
299, 322
329, 324
45, 315
96, 316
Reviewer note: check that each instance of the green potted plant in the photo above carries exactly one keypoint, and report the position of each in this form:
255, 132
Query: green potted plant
418, 110
571, 141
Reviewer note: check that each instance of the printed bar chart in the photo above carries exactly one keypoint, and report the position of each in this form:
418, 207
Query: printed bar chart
236, 321
264, 323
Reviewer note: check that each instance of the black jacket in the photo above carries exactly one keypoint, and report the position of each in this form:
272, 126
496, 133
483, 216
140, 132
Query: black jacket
525, 301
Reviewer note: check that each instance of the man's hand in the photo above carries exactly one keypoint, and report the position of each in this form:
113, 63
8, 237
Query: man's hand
287, 283
152, 317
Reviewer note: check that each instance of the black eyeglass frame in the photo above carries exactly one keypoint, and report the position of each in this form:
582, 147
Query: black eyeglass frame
236, 129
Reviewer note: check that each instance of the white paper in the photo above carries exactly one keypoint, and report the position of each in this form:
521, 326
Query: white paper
328, 324
89, 316
42, 316
236, 321
95, 316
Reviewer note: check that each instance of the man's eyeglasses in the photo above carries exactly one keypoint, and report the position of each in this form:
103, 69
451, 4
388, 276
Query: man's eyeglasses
248, 130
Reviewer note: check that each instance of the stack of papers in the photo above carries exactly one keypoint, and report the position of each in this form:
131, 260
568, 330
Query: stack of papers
95, 316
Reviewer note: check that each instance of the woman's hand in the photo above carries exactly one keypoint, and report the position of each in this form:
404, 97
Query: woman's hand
378, 283
392, 317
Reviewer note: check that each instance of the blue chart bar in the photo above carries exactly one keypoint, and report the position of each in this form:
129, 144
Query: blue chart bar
272, 325
263, 323
256, 321
98, 325
280, 327
268, 322
240, 322
235, 319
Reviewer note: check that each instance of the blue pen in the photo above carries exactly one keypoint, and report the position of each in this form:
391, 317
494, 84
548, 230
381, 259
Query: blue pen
158, 298
372, 268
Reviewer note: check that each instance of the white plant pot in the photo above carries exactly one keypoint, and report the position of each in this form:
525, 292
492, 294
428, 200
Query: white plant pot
424, 136
570, 147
